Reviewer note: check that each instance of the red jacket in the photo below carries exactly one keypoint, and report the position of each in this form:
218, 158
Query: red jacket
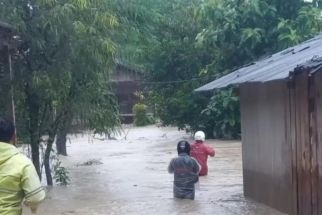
200, 152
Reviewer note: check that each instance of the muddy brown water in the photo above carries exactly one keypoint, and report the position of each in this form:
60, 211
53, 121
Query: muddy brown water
133, 179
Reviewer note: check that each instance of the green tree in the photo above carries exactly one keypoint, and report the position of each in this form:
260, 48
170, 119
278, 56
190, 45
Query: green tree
65, 66
176, 63
200, 40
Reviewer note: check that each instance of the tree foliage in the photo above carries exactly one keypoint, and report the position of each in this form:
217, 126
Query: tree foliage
64, 67
198, 41
221, 117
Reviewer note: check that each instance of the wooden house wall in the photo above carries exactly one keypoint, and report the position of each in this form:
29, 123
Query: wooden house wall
266, 149
308, 141
125, 92
126, 84
317, 148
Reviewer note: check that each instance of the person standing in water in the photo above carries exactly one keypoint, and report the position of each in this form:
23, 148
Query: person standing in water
200, 151
19, 181
185, 169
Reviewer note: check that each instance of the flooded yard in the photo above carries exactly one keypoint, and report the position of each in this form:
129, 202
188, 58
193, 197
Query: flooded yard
129, 176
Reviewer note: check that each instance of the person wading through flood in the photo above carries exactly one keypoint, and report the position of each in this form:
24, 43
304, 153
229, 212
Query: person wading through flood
19, 181
186, 170
200, 151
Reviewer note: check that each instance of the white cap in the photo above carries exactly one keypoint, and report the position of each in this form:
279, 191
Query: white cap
200, 135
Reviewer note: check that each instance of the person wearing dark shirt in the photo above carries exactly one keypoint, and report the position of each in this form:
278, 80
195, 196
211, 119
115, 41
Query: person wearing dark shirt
186, 170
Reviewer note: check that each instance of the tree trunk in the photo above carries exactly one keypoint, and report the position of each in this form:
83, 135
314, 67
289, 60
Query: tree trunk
62, 135
47, 160
13, 105
34, 129
35, 156
61, 142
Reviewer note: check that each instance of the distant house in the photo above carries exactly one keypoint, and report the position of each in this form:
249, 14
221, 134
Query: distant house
126, 81
281, 114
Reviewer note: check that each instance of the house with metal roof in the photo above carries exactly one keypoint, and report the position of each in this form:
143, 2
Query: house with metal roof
126, 81
281, 119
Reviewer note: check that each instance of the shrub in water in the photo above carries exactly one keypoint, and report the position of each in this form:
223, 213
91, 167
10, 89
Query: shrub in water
140, 115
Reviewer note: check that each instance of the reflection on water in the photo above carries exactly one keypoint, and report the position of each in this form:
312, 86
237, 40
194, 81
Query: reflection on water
132, 178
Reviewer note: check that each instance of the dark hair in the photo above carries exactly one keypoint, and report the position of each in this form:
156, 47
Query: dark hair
7, 130
183, 147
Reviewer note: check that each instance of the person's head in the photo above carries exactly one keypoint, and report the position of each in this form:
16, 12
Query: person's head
200, 136
183, 147
7, 130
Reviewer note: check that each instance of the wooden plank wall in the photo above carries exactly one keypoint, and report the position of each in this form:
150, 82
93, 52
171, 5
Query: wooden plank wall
318, 135
267, 157
303, 143
291, 141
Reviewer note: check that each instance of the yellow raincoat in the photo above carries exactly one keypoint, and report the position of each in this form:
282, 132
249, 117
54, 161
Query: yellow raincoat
18, 181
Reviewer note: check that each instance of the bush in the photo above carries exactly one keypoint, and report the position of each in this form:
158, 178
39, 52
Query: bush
61, 174
221, 118
140, 115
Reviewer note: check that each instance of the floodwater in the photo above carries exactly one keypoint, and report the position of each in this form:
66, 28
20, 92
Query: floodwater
131, 178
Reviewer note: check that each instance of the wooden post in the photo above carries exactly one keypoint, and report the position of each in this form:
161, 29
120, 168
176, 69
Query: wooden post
291, 140
12, 95
314, 145
303, 144
318, 130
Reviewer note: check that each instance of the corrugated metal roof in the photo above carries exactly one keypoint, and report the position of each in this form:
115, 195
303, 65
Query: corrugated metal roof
276, 67
7, 33
6, 27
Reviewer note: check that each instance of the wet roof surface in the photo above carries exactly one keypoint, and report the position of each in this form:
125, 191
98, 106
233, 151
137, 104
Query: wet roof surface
275, 67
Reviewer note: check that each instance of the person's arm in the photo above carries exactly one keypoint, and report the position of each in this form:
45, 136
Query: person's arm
170, 167
210, 151
196, 166
31, 186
